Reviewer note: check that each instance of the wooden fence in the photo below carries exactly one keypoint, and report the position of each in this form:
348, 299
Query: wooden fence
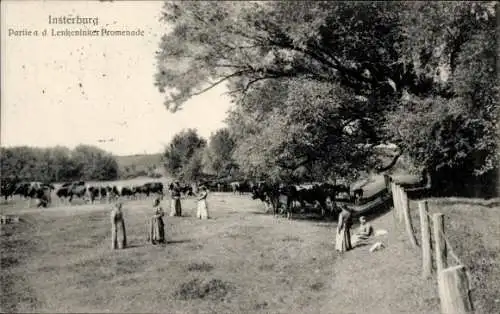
453, 283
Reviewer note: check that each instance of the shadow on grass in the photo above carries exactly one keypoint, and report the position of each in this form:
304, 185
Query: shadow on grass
133, 246
178, 241
261, 213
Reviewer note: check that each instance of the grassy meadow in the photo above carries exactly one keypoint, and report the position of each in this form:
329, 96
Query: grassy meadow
240, 261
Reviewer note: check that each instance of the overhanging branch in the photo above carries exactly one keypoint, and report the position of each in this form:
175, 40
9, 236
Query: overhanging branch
238, 73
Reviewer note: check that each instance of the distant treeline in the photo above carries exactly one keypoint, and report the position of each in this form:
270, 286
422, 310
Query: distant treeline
141, 165
58, 164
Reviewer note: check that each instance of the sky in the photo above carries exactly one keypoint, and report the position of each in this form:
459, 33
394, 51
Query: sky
70, 90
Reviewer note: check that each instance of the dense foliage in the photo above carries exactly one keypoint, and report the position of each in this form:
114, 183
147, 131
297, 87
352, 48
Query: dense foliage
57, 164
183, 156
317, 85
218, 155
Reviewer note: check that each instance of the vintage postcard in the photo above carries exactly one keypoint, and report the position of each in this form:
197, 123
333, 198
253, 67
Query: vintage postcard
249, 157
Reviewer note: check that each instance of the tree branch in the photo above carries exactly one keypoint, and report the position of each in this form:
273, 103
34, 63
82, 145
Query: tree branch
391, 164
238, 73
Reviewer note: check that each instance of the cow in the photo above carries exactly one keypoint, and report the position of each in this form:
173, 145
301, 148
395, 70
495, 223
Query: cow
240, 187
272, 196
321, 194
36, 190
235, 187
93, 192
70, 190
43, 194
8, 187
126, 192
153, 187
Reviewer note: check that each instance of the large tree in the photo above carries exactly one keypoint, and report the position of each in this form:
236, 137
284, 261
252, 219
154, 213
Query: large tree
375, 68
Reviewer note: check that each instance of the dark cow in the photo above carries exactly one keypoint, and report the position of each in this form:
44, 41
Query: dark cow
240, 187
43, 194
37, 190
152, 188
8, 187
103, 192
274, 195
263, 192
321, 194
93, 193
23, 189
314, 195
70, 190
126, 192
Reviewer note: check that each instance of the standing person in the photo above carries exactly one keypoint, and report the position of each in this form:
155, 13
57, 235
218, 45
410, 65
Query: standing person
202, 212
118, 222
157, 231
343, 237
176, 209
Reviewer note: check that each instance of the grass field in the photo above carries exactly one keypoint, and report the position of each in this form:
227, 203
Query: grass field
472, 227
241, 261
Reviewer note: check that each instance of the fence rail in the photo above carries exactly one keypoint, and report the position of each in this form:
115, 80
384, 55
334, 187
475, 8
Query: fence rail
453, 281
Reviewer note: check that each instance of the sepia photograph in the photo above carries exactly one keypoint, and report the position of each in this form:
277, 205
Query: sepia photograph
249, 157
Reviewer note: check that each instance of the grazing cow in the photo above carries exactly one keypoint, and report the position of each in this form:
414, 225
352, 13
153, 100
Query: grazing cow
8, 187
93, 192
154, 187
70, 190
262, 192
22, 189
111, 193
38, 190
240, 187
235, 187
320, 194
44, 195
103, 192
274, 195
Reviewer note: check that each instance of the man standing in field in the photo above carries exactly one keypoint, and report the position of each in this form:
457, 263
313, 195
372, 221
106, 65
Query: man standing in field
176, 209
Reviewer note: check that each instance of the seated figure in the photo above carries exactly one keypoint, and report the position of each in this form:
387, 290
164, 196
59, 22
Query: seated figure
365, 230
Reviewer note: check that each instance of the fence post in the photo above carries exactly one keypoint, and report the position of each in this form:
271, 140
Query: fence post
454, 291
394, 201
439, 240
400, 192
406, 214
426, 239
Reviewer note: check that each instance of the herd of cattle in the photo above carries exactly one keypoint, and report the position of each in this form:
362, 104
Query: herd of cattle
285, 199
67, 192
279, 198
323, 197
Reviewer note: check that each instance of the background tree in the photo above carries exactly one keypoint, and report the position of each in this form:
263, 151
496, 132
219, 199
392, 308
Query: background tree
58, 164
192, 171
217, 157
181, 150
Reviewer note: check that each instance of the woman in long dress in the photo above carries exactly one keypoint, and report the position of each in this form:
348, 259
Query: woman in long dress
202, 212
157, 231
118, 226
343, 238
176, 209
